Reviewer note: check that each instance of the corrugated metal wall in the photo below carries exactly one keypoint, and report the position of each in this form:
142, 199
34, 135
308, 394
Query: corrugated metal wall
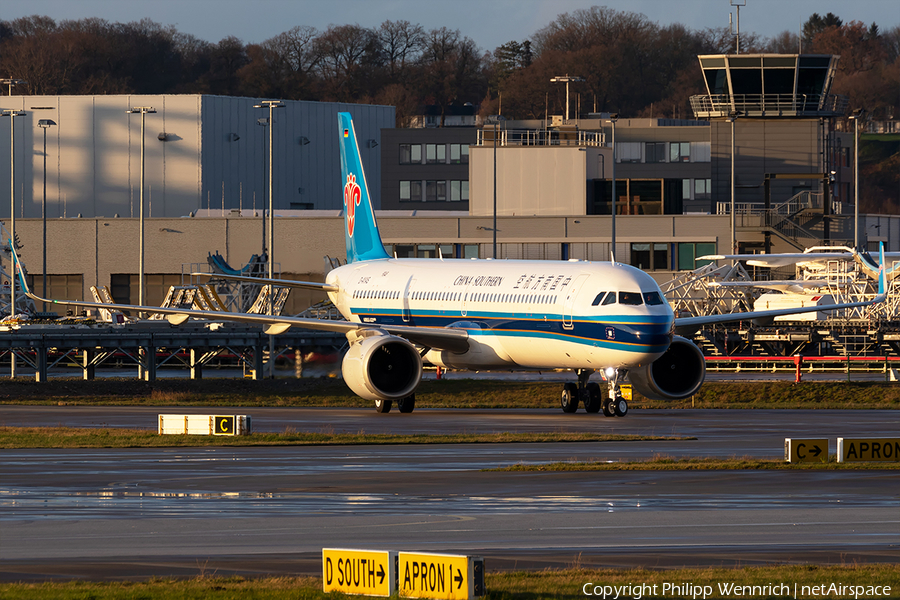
213, 154
306, 169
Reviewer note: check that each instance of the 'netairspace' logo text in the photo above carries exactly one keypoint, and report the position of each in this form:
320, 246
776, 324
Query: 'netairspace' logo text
732, 590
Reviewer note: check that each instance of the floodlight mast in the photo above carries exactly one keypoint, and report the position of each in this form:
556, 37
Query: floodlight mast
12, 114
143, 111
567, 80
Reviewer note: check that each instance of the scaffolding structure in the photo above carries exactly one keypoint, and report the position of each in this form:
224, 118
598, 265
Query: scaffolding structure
860, 332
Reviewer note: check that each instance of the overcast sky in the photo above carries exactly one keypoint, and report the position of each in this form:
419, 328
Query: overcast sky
489, 22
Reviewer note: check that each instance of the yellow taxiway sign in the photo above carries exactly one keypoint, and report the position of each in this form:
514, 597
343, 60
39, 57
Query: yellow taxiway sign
450, 576
369, 572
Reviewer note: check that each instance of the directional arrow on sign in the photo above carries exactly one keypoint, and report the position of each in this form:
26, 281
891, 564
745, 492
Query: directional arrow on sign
380, 574
458, 578
816, 451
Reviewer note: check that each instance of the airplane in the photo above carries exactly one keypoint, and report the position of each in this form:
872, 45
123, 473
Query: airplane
816, 259
482, 314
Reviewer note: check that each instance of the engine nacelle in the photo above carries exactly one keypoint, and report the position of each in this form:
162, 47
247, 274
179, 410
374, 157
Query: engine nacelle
382, 367
675, 375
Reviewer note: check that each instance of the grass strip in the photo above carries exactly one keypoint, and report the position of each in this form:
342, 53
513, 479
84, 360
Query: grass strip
745, 582
668, 463
72, 437
446, 393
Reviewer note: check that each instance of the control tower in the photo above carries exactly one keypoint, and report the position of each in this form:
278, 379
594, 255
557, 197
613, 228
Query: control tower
777, 112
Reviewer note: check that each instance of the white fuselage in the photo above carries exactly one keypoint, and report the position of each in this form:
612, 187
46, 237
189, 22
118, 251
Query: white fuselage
518, 314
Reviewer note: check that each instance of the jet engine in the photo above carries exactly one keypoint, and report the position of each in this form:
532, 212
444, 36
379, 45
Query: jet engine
382, 367
677, 374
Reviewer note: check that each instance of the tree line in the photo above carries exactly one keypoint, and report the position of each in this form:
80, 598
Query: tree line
630, 64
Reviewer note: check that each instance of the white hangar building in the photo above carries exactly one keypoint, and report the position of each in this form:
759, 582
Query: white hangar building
201, 153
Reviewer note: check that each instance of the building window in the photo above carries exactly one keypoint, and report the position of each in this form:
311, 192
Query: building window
680, 152
628, 152
702, 189
688, 251
435, 153
410, 154
405, 250
700, 152
435, 191
424, 250
410, 191
686, 189
655, 152
845, 157
650, 257
459, 154
459, 191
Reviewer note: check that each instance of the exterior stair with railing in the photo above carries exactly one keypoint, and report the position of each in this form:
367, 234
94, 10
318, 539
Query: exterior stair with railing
797, 221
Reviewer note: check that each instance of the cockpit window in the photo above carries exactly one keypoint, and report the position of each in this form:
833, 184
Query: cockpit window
652, 299
610, 299
598, 299
630, 298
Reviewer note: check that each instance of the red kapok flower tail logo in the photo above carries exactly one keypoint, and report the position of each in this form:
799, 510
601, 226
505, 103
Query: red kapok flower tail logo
352, 198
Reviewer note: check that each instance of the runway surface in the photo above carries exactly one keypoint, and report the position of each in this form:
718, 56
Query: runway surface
141, 512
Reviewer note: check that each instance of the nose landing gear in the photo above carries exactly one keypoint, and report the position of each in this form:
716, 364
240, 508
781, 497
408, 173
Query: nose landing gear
615, 405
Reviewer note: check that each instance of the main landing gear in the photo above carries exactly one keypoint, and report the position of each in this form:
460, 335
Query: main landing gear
406, 405
590, 395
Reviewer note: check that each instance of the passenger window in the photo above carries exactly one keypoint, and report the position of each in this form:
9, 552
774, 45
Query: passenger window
598, 299
652, 299
610, 299
630, 298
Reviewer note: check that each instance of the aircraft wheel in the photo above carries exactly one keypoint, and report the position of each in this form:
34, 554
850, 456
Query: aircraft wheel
406, 405
594, 401
383, 406
569, 399
621, 407
609, 409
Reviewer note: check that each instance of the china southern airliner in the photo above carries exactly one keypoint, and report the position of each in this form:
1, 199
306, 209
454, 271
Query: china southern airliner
582, 316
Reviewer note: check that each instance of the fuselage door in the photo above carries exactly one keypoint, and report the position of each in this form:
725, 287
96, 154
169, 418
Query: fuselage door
464, 295
406, 293
569, 305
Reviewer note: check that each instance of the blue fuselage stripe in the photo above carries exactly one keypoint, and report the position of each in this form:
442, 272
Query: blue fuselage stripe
643, 333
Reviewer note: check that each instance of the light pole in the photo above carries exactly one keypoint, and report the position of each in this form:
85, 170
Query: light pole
612, 247
44, 124
12, 114
566, 79
271, 105
143, 111
732, 117
855, 117
495, 120
12, 83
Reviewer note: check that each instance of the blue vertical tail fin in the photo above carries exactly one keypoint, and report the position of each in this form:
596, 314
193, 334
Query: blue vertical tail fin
360, 229
882, 271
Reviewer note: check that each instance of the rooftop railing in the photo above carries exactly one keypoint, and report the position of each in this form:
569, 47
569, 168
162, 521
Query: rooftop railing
769, 105
540, 137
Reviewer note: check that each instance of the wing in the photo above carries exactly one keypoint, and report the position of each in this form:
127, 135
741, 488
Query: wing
781, 260
309, 285
689, 325
440, 338
799, 286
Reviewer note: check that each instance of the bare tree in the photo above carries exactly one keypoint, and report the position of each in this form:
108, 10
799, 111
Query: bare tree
400, 43
347, 54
